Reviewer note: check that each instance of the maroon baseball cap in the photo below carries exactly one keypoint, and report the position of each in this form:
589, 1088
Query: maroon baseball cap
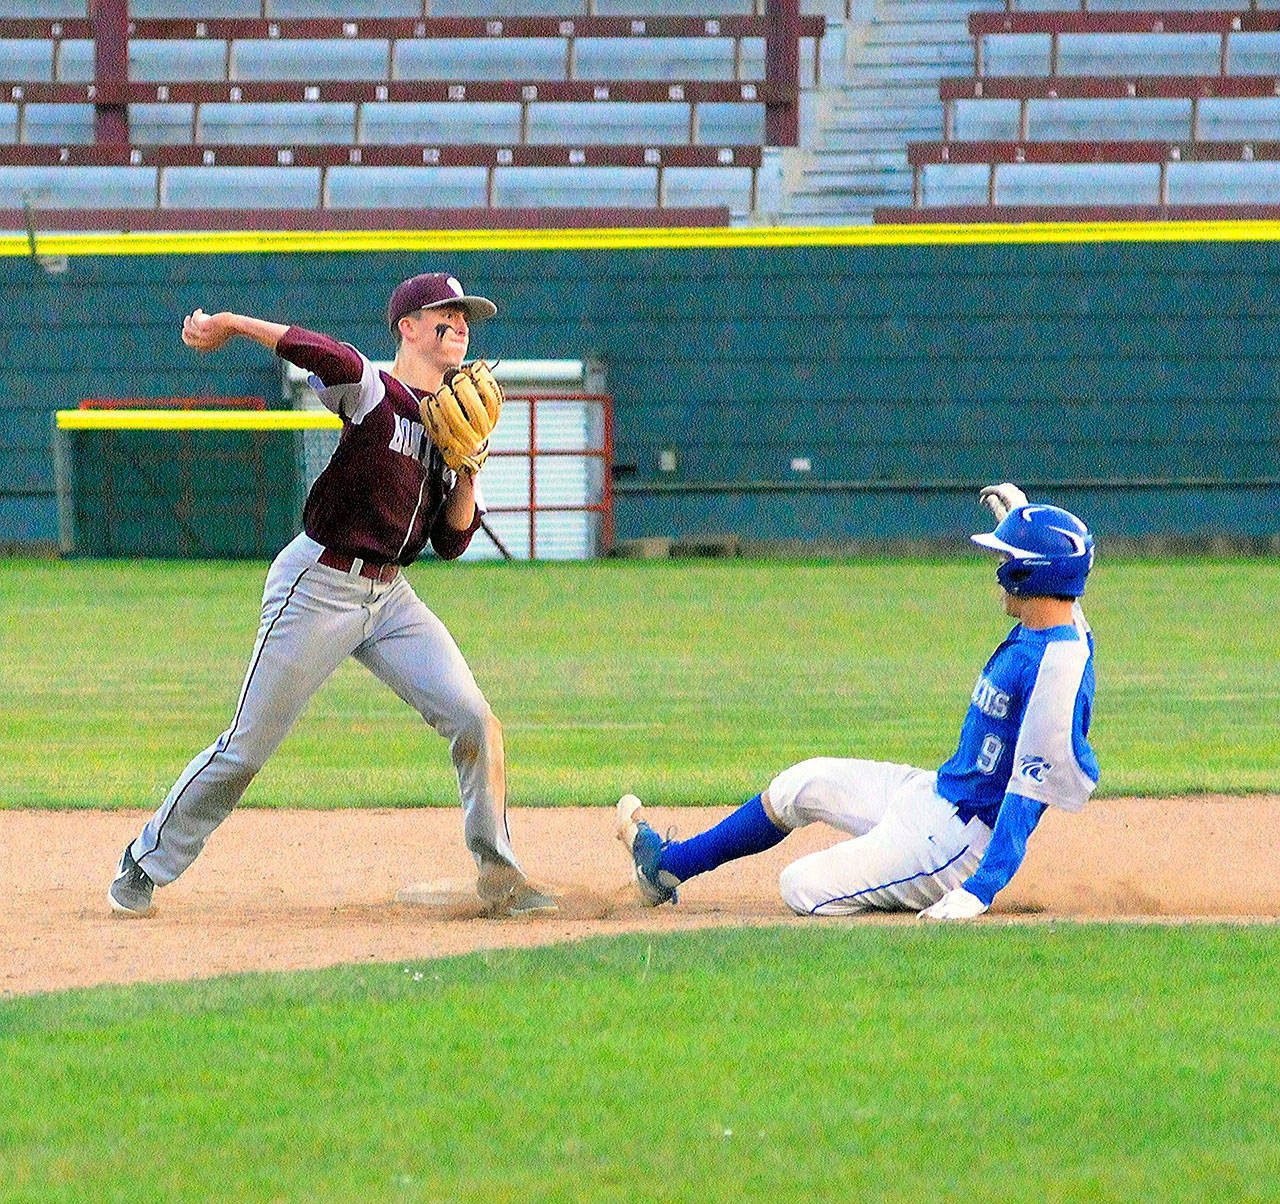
432, 290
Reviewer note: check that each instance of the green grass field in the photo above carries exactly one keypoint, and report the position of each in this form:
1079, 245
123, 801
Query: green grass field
687, 682
839, 1062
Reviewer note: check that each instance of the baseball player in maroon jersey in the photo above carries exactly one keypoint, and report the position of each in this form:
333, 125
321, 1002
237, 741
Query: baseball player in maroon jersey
338, 590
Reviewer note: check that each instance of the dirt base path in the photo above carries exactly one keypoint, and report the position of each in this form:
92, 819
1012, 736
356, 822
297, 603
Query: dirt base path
282, 890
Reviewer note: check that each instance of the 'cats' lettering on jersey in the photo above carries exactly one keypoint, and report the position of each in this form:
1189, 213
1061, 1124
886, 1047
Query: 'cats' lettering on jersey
407, 437
990, 700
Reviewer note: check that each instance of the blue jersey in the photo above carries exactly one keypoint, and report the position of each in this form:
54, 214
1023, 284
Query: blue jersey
1026, 730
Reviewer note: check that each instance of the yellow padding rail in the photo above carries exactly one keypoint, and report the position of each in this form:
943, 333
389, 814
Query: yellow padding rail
196, 420
443, 241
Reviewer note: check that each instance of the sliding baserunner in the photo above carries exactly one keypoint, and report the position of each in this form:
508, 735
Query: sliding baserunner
942, 844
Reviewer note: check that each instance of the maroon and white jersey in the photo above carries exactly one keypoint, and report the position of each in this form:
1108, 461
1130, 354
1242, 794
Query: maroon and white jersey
381, 496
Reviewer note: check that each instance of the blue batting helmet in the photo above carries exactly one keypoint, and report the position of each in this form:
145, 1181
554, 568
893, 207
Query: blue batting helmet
1050, 552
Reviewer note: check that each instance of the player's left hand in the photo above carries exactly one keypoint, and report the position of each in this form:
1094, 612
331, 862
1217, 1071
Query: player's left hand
956, 904
461, 414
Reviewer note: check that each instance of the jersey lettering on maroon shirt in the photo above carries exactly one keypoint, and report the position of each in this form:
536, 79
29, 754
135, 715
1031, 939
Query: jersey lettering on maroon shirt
381, 496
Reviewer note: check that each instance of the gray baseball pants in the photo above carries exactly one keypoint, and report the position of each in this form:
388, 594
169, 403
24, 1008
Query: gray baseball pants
313, 618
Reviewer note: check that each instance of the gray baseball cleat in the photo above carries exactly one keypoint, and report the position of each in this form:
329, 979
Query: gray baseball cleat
526, 900
645, 846
130, 892
508, 892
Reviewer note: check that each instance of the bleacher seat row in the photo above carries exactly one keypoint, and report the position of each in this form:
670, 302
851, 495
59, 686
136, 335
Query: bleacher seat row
1117, 43
1099, 108
451, 48
343, 177
1133, 172
694, 112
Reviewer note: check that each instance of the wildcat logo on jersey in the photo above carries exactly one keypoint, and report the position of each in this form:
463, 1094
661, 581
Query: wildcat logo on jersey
1034, 768
407, 437
990, 700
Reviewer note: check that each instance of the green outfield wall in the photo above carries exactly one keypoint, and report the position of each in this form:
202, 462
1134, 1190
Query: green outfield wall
813, 385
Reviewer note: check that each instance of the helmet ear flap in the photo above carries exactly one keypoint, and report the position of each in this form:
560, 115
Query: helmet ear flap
1013, 576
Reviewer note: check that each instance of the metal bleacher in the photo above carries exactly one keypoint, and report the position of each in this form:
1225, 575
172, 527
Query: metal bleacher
344, 113
1107, 114
309, 113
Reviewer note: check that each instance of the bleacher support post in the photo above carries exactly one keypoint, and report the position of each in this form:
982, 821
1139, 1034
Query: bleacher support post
111, 70
782, 69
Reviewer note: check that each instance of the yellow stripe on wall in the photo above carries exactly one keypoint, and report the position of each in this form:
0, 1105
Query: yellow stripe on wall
196, 420
329, 241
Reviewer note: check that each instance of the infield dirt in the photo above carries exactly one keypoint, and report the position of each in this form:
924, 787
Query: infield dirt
287, 890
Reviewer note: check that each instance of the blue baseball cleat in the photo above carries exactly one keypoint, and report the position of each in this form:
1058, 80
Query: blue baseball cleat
645, 846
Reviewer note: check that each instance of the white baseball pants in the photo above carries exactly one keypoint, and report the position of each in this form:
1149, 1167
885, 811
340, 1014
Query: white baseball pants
909, 846
313, 618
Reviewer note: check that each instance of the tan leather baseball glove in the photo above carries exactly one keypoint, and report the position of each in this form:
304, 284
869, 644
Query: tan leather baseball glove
461, 414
